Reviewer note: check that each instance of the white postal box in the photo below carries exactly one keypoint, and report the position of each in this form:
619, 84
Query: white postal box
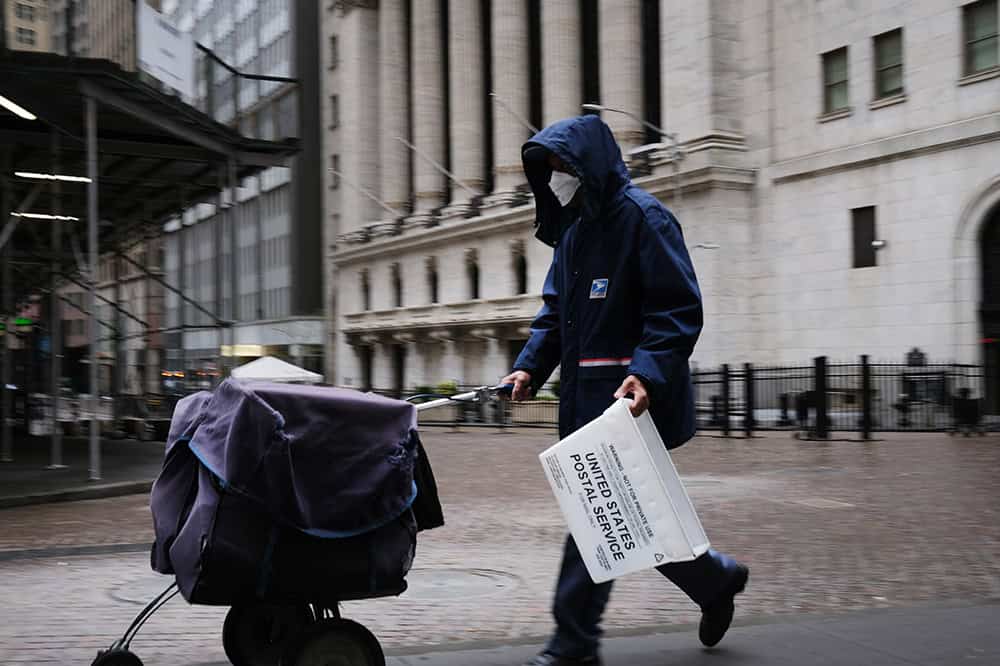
620, 494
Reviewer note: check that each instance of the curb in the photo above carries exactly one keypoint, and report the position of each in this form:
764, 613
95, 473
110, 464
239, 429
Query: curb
73, 551
78, 493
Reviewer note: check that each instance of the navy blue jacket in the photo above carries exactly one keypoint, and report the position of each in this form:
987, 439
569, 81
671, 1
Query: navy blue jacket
621, 295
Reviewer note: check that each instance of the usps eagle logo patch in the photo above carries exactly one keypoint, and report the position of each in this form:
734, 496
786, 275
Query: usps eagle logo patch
599, 288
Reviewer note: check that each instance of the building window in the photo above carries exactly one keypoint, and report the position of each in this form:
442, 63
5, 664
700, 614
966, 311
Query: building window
366, 294
334, 111
334, 52
982, 47
520, 265
432, 279
334, 171
835, 96
889, 64
472, 273
25, 12
26, 36
397, 286
863, 231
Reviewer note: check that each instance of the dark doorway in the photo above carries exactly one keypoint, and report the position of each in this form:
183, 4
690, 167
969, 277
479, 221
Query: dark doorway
398, 370
367, 356
989, 311
514, 348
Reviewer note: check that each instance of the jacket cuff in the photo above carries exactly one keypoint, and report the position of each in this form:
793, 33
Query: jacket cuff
647, 383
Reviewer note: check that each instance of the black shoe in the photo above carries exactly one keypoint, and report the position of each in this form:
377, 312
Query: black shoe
715, 619
549, 659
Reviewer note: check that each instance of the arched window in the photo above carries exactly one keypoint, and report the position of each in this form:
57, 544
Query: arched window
472, 271
397, 286
432, 279
366, 295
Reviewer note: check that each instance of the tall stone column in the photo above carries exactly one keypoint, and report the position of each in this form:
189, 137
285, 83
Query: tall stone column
427, 66
511, 71
562, 68
621, 68
450, 361
495, 362
394, 104
467, 96
359, 161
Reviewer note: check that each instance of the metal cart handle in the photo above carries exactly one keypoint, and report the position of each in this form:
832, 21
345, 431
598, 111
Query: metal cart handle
487, 392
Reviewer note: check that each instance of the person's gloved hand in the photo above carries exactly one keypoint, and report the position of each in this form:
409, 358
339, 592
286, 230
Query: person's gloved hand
640, 397
522, 384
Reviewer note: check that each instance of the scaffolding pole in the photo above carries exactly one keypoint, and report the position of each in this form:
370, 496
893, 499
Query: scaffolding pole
55, 324
6, 441
92, 225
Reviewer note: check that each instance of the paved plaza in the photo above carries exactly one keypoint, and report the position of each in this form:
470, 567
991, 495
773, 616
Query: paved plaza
846, 541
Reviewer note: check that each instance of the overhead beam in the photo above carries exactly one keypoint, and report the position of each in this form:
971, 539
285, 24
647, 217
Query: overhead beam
179, 130
184, 297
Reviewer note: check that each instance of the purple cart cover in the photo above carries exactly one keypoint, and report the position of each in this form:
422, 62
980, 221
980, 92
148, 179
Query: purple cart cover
330, 462
288, 493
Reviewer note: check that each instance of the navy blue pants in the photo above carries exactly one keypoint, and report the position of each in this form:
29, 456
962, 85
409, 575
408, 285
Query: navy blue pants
580, 602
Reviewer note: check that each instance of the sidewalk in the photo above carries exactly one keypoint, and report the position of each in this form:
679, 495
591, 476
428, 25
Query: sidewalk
922, 636
128, 466
850, 544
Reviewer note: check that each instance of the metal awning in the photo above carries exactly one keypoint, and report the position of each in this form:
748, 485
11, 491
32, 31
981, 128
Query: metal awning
148, 156
155, 152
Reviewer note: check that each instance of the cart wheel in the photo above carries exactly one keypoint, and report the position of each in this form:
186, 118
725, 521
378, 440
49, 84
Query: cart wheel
116, 657
258, 634
335, 643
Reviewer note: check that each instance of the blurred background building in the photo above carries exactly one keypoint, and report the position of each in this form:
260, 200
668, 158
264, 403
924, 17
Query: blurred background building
101, 29
28, 25
273, 294
836, 174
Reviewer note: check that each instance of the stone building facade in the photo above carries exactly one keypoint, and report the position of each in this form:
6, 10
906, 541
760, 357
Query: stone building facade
28, 25
835, 172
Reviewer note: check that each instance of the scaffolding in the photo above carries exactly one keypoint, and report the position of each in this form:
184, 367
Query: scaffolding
104, 159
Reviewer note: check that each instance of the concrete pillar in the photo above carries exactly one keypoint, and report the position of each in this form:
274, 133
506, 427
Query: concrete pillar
450, 362
621, 68
394, 104
359, 150
428, 104
467, 96
562, 68
382, 368
511, 71
495, 364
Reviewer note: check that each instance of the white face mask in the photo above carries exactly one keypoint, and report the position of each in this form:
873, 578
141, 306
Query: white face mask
564, 186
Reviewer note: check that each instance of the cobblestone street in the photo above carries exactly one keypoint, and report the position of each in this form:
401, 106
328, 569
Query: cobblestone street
826, 528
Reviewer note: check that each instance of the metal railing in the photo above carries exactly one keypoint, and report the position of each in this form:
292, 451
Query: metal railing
860, 397
539, 413
814, 400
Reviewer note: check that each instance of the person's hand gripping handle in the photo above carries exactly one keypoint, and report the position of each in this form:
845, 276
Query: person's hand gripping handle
521, 381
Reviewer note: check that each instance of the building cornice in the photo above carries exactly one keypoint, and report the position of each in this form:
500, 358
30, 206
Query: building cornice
496, 313
959, 134
522, 217
511, 219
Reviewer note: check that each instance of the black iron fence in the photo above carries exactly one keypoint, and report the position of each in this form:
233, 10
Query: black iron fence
814, 400
825, 397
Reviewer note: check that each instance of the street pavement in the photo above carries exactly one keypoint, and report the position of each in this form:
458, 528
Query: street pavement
128, 466
885, 552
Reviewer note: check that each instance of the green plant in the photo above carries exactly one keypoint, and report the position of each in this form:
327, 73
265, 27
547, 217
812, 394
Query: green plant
447, 388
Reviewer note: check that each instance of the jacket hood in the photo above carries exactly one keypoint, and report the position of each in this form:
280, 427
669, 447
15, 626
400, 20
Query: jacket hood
586, 145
